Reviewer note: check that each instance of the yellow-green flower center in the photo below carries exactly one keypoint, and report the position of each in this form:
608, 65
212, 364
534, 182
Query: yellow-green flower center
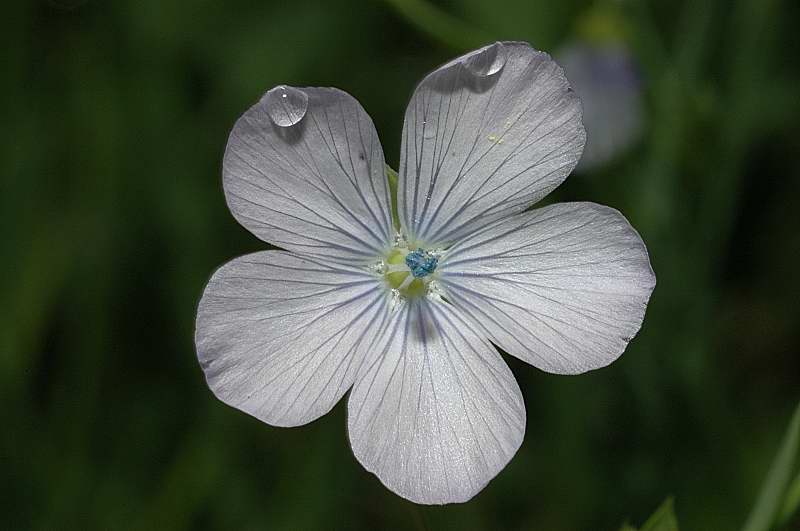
409, 271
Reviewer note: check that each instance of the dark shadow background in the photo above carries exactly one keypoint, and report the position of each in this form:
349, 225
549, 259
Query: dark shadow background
114, 120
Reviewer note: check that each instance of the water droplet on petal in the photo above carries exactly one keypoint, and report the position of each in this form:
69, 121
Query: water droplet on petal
286, 106
487, 61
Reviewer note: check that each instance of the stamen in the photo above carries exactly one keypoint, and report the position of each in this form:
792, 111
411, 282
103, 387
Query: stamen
408, 272
421, 263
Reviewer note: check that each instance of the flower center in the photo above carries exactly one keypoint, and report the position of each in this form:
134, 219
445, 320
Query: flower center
409, 271
421, 263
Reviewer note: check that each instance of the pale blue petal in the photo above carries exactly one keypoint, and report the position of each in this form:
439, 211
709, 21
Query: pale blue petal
316, 187
435, 414
564, 287
281, 337
485, 136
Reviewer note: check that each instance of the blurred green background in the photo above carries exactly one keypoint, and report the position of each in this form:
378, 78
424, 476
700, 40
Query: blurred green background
115, 118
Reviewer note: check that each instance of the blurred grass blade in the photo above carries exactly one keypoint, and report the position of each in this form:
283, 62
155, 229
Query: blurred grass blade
791, 502
765, 512
663, 519
440, 25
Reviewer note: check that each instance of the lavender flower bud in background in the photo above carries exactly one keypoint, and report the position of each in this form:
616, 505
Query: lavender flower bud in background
605, 77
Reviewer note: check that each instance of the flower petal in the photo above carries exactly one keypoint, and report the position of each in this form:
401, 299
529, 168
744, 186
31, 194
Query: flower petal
281, 337
564, 287
304, 170
436, 413
485, 136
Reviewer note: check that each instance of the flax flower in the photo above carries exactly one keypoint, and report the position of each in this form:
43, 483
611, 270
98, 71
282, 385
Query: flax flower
407, 311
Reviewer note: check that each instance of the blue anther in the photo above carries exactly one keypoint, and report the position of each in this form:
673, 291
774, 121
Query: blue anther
421, 263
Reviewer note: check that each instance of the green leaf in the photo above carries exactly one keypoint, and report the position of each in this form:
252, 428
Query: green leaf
663, 519
765, 513
627, 527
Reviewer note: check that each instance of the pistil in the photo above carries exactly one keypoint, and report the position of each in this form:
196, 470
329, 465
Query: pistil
409, 272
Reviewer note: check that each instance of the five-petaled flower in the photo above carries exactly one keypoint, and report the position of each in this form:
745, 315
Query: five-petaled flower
405, 311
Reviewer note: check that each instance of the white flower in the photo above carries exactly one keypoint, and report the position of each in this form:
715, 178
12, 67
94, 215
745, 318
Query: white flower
408, 319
